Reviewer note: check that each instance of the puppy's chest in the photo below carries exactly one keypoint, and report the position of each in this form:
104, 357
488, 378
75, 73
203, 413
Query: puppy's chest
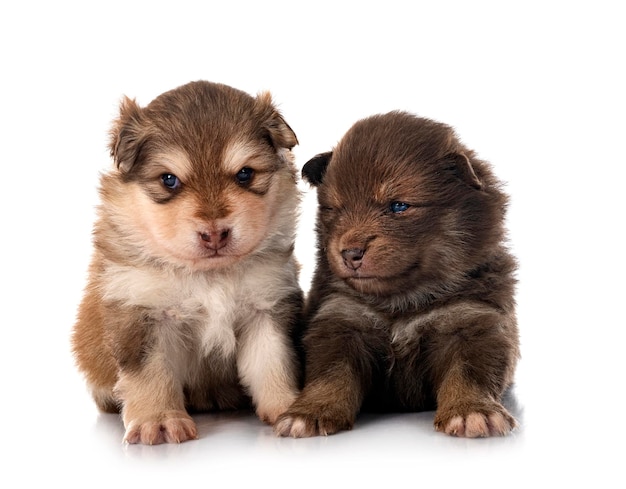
406, 331
197, 311
444, 322
209, 314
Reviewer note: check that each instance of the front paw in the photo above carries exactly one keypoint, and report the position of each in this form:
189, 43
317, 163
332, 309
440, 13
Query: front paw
268, 411
475, 422
167, 427
303, 424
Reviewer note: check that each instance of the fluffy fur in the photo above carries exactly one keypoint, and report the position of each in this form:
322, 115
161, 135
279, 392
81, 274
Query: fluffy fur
193, 292
412, 301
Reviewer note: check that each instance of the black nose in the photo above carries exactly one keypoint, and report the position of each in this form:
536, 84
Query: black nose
353, 257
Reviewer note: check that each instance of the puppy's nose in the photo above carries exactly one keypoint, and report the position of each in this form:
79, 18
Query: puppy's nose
353, 257
215, 240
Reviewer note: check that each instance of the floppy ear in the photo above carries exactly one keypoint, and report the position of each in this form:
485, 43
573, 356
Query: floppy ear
128, 133
279, 133
463, 169
313, 170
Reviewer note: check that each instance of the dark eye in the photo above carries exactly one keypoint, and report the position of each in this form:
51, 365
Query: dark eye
398, 207
244, 175
170, 181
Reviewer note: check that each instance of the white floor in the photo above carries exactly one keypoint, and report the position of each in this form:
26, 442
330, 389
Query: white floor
562, 440
537, 89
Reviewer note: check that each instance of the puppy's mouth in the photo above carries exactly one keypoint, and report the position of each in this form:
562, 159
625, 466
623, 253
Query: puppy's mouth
205, 259
217, 256
360, 278
366, 284
208, 260
364, 281
227, 253
357, 276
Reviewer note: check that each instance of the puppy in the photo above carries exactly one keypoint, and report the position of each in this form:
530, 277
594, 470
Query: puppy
193, 289
412, 302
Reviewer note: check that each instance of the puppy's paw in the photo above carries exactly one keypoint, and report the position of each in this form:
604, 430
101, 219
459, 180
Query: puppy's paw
477, 423
168, 427
270, 410
302, 425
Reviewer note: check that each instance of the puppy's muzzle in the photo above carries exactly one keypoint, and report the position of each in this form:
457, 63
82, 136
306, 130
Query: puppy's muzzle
215, 240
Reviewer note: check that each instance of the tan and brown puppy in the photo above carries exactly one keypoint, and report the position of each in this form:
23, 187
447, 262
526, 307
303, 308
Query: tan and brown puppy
412, 302
193, 290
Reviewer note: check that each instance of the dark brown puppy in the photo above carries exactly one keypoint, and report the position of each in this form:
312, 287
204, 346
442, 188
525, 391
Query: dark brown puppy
412, 303
193, 287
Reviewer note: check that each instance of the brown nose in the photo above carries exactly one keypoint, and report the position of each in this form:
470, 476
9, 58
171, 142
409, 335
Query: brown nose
215, 240
353, 258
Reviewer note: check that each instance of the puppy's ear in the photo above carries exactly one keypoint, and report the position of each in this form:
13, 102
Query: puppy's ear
463, 169
128, 133
279, 133
313, 170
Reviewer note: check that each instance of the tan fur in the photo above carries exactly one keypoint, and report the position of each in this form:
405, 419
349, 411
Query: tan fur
193, 292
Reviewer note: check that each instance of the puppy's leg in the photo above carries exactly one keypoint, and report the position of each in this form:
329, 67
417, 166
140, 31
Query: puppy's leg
267, 366
151, 357
466, 410
342, 360
479, 364
153, 406
326, 405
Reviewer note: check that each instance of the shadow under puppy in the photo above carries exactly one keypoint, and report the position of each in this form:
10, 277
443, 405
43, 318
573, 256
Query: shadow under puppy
193, 290
412, 302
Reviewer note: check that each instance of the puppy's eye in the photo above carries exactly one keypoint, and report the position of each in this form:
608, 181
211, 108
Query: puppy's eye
244, 176
170, 181
398, 207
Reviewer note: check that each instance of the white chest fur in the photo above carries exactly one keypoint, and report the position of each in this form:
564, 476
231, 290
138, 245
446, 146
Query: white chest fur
214, 303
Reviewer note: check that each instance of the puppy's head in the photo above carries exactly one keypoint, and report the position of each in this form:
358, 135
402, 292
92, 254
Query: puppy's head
403, 205
203, 176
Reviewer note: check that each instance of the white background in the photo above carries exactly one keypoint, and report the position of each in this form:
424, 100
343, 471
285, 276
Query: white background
537, 88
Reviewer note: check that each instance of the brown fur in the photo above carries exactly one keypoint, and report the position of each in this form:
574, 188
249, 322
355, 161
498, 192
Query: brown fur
193, 291
412, 302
